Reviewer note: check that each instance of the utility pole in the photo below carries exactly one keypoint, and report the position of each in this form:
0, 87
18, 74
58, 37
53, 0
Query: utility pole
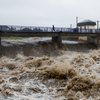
76, 21
70, 25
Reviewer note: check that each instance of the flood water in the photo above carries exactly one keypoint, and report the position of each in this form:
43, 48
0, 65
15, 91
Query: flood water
35, 69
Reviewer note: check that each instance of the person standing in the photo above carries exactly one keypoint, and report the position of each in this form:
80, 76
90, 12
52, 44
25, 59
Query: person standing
53, 28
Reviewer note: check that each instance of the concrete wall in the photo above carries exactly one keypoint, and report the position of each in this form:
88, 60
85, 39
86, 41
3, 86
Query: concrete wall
57, 39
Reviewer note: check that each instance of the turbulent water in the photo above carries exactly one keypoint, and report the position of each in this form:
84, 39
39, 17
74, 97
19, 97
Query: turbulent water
47, 71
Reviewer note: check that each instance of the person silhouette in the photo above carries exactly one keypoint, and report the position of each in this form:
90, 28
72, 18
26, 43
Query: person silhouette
53, 28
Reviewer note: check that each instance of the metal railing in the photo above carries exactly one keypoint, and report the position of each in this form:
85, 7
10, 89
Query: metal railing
12, 28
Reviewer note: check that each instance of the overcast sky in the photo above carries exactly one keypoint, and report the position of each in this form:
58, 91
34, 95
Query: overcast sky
61, 13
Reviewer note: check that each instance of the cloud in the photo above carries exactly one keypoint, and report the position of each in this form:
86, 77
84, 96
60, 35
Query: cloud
47, 12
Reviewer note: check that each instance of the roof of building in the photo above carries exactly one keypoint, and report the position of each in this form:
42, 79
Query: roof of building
86, 22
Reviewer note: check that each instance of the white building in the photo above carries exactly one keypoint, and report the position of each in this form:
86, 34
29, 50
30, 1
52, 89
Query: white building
87, 24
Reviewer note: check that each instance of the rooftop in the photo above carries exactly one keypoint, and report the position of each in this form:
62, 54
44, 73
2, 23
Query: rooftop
86, 22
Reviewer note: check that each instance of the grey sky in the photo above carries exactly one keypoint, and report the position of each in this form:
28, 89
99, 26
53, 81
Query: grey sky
47, 12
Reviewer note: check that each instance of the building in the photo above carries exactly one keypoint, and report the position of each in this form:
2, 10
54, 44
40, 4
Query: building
86, 24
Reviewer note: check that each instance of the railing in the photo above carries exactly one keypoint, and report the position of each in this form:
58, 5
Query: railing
9, 28
30, 29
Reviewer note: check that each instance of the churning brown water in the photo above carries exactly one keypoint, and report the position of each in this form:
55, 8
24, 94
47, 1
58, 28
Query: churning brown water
46, 71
